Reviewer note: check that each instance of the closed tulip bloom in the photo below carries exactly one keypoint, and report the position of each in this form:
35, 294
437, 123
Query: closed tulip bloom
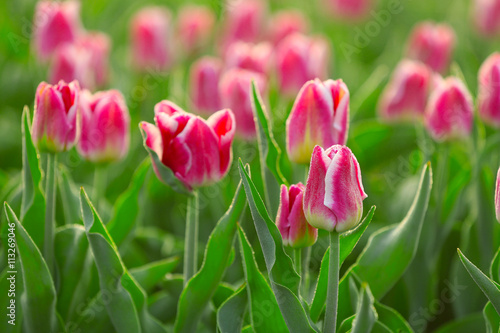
285, 23
72, 62
254, 57
350, 9
55, 23
432, 44
489, 90
291, 221
299, 59
197, 151
405, 97
334, 194
319, 116
56, 119
235, 91
449, 113
497, 196
105, 126
151, 38
195, 26
204, 80
487, 16
99, 46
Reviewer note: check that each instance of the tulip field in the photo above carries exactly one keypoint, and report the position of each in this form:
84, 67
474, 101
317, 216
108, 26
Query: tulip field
251, 166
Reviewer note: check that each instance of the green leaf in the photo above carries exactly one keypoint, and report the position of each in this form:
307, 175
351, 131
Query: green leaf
346, 324
392, 319
491, 318
231, 313
222, 293
201, 287
495, 267
38, 300
392, 249
471, 323
264, 319
5, 301
366, 315
149, 275
69, 197
489, 287
349, 239
127, 306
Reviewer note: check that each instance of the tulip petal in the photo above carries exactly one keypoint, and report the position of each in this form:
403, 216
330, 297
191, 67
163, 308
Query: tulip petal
282, 221
224, 127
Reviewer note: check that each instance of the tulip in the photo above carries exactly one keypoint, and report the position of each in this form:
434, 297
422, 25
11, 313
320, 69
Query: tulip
194, 27
334, 194
56, 119
254, 57
99, 46
150, 37
204, 84
352, 10
235, 92
487, 16
405, 97
72, 62
286, 23
432, 44
489, 90
449, 113
319, 116
105, 126
497, 196
197, 151
300, 59
55, 23
291, 222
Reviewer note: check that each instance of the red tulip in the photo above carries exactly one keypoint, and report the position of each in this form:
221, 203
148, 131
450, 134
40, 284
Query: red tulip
286, 23
204, 84
254, 57
350, 9
489, 90
487, 16
194, 27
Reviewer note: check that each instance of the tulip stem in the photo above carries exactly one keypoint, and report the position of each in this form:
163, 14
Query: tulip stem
307, 277
191, 238
330, 323
50, 208
99, 190
298, 261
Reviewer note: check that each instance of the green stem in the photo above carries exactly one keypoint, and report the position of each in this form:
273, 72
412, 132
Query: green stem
191, 238
297, 253
332, 293
100, 183
50, 208
306, 280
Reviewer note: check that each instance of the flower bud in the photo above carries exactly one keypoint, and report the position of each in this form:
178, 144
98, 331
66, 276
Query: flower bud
285, 23
449, 113
56, 119
350, 10
487, 16
105, 126
253, 57
291, 222
204, 84
489, 90
319, 116
99, 46
197, 151
497, 196
194, 27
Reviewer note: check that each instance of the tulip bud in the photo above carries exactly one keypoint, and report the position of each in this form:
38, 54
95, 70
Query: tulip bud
319, 116
291, 222
56, 119
286, 23
334, 194
489, 90
497, 197
197, 151
254, 57
449, 113
300, 59
72, 62
432, 44
105, 126
55, 23
204, 84
194, 27
405, 97
98, 45
235, 91
151, 40
350, 9
487, 16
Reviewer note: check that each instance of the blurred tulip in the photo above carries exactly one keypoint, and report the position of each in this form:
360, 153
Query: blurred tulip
254, 57
105, 126
350, 9
55, 23
432, 44
405, 97
497, 196
235, 92
319, 116
487, 16
489, 90
285, 23
151, 38
291, 222
56, 120
300, 59
99, 46
449, 112
204, 84
195, 26
334, 194
197, 151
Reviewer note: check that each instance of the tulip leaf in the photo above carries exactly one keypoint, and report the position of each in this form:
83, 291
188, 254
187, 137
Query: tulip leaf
366, 315
392, 319
349, 239
222, 293
149, 275
127, 306
489, 287
346, 324
70, 198
284, 279
491, 318
38, 300
495, 267
201, 287
264, 319
392, 249
231, 313
471, 323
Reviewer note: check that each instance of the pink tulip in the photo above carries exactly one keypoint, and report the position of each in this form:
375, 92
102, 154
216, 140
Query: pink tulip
449, 113
291, 221
319, 116
432, 44
197, 151
99, 46
72, 62
489, 90
285, 23
300, 59
151, 38
56, 120
405, 97
487, 16
55, 23
497, 196
350, 9
254, 57
334, 194
194, 27
105, 126
235, 91
204, 84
